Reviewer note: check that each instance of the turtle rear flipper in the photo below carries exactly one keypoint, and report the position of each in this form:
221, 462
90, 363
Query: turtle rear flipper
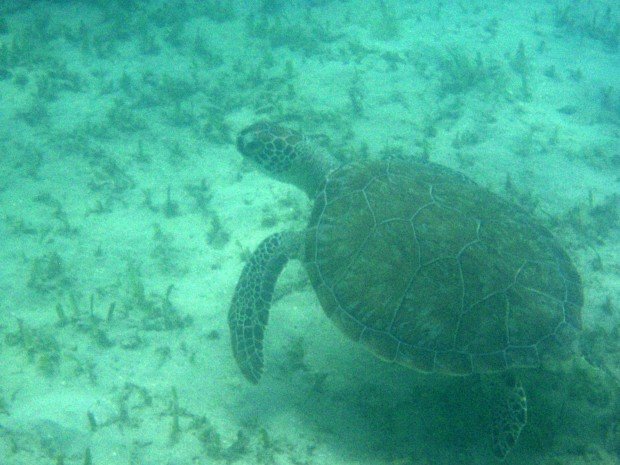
509, 418
249, 310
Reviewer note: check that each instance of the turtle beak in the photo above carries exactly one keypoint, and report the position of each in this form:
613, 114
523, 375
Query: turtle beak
254, 142
247, 143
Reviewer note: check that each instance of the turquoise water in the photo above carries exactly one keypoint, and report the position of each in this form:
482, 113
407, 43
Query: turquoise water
127, 215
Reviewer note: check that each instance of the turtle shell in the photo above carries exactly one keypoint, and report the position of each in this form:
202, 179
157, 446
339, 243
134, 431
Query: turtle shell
431, 271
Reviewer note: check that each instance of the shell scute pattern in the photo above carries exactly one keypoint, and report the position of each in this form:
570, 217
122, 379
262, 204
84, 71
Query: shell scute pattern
433, 272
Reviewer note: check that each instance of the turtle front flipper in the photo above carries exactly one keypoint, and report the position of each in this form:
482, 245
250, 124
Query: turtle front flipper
249, 310
509, 417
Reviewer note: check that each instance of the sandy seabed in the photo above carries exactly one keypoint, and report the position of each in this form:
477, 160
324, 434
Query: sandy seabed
126, 215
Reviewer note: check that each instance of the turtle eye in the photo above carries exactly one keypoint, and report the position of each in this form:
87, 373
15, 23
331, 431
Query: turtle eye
253, 148
249, 146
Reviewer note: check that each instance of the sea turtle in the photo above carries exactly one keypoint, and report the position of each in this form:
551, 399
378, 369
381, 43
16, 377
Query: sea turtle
420, 264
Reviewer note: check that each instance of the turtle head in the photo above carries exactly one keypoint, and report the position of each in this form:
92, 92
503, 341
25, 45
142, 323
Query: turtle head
274, 148
284, 154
